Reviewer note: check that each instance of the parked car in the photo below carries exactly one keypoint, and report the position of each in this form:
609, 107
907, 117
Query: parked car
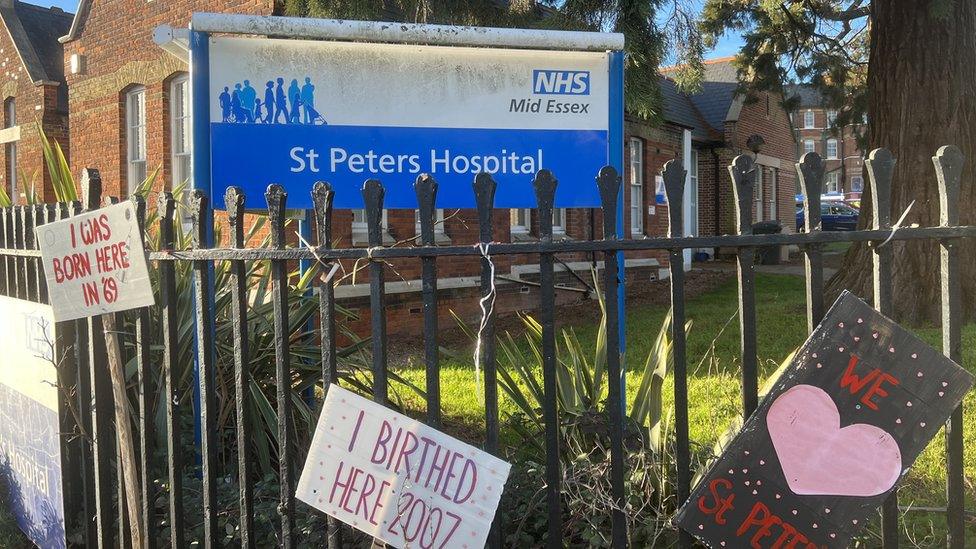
834, 216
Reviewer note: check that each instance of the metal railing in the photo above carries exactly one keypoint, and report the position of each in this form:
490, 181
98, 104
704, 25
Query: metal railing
91, 452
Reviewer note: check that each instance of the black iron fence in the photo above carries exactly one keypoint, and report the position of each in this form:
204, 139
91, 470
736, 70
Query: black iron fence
90, 447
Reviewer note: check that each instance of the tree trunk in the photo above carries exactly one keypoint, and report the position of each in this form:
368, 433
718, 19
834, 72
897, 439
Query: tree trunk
922, 95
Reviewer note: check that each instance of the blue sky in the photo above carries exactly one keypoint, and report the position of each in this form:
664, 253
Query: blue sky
728, 45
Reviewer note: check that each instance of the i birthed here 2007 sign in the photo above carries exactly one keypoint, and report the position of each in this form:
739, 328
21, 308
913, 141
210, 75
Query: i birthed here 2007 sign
297, 111
398, 480
844, 422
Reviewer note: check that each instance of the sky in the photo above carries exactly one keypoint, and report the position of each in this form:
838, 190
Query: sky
727, 46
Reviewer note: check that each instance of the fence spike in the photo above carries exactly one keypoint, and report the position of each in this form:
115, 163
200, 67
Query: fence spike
545, 195
675, 176
484, 195
743, 172
949, 161
139, 202
234, 202
810, 169
880, 166
165, 205
322, 197
91, 188
608, 182
426, 188
276, 198
198, 213
373, 194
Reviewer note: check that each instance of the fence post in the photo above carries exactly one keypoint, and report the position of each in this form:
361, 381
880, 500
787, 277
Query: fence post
322, 197
743, 173
675, 177
234, 202
810, 171
949, 162
373, 194
100, 393
545, 193
166, 208
276, 198
608, 182
202, 271
426, 189
484, 195
880, 166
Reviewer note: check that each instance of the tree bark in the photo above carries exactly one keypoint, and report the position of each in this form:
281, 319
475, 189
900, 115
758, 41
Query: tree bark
922, 95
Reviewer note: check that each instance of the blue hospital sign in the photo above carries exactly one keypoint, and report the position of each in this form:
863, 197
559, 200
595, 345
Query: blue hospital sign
30, 432
295, 112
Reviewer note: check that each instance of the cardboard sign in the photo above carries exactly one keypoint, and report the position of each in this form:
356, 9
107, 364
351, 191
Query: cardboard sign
397, 479
301, 111
30, 433
95, 263
839, 429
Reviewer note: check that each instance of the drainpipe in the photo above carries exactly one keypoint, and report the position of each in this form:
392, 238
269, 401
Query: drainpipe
718, 201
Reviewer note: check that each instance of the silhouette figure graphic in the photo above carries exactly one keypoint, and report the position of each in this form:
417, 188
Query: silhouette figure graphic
281, 104
224, 99
248, 97
294, 95
308, 100
241, 115
257, 111
269, 102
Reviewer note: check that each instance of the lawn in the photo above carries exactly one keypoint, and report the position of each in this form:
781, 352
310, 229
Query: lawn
713, 362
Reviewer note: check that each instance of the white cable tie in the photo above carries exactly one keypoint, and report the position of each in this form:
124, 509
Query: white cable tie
487, 305
897, 225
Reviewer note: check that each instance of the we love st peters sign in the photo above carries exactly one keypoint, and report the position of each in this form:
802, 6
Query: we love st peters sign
861, 399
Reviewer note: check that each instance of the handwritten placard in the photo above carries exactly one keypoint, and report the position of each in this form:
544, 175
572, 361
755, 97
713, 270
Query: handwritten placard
95, 263
839, 429
397, 479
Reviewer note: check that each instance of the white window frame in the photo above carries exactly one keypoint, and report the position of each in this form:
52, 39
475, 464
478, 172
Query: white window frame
180, 118
10, 121
559, 221
832, 183
832, 143
360, 229
521, 220
438, 222
831, 118
774, 192
757, 193
636, 187
809, 146
693, 182
135, 125
809, 120
857, 184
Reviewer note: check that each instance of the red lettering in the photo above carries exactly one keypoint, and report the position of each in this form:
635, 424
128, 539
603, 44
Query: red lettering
58, 271
856, 384
386, 432
722, 505
762, 519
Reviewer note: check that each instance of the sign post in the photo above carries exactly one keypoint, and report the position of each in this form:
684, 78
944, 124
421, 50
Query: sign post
95, 265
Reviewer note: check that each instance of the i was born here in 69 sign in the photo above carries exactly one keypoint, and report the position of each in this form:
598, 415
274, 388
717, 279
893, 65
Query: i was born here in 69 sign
841, 426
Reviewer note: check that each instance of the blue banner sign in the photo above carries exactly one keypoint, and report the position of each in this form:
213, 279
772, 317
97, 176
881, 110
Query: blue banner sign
295, 112
30, 439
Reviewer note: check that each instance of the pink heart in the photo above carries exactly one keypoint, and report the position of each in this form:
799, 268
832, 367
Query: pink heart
819, 457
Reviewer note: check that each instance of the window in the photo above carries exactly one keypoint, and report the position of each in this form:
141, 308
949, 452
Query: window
773, 192
809, 146
521, 220
360, 230
831, 118
559, 221
693, 183
438, 222
636, 187
808, 119
135, 137
832, 183
179, 119
9, 121
832, 148
757, 194
857, 184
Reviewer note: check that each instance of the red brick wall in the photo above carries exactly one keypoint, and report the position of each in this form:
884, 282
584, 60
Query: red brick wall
849, 161
116, 40
33, 102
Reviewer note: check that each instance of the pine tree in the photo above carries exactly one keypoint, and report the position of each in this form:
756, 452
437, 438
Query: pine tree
910, 66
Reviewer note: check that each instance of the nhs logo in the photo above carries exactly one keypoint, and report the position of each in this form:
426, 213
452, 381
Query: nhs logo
561, 82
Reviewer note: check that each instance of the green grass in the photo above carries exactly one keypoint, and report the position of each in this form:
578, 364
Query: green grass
714, 384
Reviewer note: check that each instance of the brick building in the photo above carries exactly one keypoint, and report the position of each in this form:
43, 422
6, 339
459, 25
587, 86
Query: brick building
816, 131
33, 92
723, 119
129, 117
